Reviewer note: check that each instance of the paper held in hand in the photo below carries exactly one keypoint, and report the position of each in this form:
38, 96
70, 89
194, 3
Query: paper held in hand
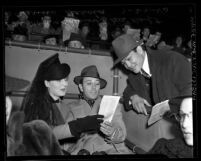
157, 112
108, 106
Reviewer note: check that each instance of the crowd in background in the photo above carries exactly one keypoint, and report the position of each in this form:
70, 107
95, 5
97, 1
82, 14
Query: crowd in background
51, 81
77, 33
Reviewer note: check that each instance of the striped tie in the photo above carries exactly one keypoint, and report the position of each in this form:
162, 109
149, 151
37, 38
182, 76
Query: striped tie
145, 74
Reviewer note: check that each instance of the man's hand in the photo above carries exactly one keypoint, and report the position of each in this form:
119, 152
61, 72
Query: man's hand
107, 128
139, 104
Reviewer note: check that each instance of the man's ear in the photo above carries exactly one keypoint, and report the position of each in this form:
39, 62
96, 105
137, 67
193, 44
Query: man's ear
140, 50
46, 83
80, 87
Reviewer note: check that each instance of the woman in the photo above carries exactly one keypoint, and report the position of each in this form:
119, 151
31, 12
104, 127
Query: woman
111, 136
44, 101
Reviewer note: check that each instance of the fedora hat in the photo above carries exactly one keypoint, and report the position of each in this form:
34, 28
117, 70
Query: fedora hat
52, 69
123, 44
90, 71
13, 84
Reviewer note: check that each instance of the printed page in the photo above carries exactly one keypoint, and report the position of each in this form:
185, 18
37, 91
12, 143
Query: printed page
108, 106
157, 112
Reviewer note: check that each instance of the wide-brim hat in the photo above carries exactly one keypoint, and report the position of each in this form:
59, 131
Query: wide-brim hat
122, 46
52, 69
14, 84
90, 71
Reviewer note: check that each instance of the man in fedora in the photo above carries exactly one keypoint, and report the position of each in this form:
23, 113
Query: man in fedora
155, 76
111, 136
44, 101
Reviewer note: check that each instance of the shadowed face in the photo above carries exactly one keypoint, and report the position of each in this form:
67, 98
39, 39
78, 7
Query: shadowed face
134, 60
186, 120
90, 87
51, 41
57, 88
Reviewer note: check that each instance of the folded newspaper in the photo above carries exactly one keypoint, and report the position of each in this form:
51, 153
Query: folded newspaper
158, 111
108, 106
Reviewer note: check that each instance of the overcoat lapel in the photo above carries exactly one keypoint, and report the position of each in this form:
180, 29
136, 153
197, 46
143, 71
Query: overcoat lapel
153, 69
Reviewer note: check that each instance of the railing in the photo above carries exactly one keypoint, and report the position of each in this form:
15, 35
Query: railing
35, 45
23, 93
39, 46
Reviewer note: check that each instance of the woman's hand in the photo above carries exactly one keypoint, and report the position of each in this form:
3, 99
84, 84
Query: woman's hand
107, 128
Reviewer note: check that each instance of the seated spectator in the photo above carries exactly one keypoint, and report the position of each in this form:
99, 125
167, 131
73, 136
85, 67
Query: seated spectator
117, 32
84, 32
22, 27
127, 25
32, 138
181, 108
7, 25
111, 136
44, 27
75, 41
44, 101
51, 39
145, 33
155, 40
178, 44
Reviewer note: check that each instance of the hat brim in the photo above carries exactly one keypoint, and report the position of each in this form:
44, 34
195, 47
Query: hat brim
13, 84
126, 54
78, 79
120, 59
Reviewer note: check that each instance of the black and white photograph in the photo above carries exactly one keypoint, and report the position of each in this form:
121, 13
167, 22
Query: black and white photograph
114, 79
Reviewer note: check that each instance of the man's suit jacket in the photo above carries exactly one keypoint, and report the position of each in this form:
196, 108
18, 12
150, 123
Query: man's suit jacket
171, 77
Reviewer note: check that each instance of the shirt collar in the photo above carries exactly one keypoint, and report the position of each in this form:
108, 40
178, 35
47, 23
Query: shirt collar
89, 101
145, 66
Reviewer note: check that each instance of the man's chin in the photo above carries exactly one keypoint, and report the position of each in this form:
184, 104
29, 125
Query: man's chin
189, 141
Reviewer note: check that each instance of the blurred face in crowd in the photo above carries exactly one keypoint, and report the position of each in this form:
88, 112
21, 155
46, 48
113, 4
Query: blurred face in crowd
116, 33
179, 41
8, 108
186, 120
22, 16
135, 59
75, 44
46, 21
126, 27
57, 88
51, 41
146, 32
85, 30
90, 87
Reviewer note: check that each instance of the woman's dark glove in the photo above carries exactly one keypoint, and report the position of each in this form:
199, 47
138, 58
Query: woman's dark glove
85, 124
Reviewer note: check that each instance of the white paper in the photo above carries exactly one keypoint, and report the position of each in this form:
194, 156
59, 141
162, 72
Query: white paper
158, 111
108, 106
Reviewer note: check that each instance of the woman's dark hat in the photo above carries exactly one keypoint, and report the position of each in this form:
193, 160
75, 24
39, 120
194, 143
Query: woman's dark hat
14, 84
90, 71
123, 44
52, 69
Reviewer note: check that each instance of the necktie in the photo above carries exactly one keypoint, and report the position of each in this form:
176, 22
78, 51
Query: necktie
145, 74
